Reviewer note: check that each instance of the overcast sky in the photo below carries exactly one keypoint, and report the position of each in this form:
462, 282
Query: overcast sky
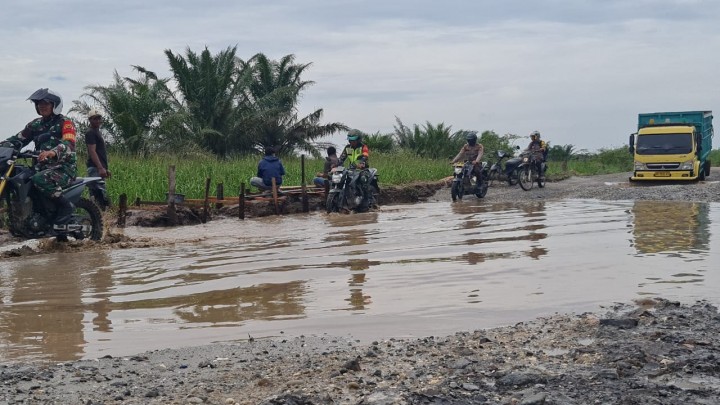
579, 71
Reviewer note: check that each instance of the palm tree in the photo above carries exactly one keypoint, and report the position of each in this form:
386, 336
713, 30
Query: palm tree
208, 85
562, 153
380, 142
268, 106
430, 141
134, 109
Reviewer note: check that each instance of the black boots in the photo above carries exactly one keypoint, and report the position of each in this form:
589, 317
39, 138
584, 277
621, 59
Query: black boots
64, 210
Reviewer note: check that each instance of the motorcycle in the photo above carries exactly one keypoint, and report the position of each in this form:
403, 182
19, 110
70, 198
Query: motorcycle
465, 182
30, 214
346, 193
530, 169
497, 170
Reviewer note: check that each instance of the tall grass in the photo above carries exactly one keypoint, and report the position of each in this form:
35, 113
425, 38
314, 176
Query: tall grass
147, 178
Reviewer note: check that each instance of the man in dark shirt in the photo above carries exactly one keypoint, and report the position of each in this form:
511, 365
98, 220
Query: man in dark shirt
97, 163
330, 161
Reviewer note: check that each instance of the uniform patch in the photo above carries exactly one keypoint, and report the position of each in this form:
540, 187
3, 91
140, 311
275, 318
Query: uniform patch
68, 132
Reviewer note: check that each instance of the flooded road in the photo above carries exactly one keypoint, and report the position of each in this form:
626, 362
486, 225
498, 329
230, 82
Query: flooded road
405, 271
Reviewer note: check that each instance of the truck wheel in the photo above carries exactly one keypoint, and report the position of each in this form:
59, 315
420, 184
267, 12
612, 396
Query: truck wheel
703, 170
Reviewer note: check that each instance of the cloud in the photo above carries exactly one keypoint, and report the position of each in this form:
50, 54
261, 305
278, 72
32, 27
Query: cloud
579, 70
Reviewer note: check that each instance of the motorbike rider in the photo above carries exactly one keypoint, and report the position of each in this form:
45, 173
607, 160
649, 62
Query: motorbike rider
358, 153
54, 136
537, 145
471, 151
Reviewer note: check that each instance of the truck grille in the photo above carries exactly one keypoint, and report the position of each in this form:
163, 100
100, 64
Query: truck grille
663, 166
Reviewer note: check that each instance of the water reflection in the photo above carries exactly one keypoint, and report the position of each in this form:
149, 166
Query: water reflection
349, 228
44, 310
670, 227
236, 305
531, 227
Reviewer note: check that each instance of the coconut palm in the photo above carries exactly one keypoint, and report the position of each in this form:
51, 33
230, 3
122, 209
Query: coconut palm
268, 106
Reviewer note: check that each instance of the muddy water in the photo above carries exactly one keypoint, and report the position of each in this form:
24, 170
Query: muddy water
415, 270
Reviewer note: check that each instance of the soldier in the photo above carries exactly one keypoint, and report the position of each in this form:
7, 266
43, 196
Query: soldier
54, 136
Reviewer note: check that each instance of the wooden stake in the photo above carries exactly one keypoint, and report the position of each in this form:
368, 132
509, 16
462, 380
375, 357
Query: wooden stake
304, 198
171, 212
275, 196
206, 202
219, 195
241, 203
122, 210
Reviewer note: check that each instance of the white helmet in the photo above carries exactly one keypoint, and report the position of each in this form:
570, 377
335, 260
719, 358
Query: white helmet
94, 112
48, 95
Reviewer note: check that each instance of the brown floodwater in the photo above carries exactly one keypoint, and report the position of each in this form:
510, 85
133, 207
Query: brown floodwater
404, 271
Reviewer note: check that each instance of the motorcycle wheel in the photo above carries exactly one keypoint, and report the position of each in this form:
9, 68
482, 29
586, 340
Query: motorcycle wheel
525, 178
493, 176
88, 213
483, 190
332, 204
15, 213
457, 190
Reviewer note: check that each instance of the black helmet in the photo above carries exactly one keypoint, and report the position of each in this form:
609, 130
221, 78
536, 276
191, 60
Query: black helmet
471, 138
354, 135
49, 96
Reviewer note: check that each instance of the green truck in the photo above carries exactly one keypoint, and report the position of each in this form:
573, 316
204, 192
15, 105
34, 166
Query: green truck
672, 146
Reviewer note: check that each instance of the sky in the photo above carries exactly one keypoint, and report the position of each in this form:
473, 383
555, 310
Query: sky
578, 71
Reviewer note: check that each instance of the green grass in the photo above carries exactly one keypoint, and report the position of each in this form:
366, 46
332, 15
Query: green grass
147, 178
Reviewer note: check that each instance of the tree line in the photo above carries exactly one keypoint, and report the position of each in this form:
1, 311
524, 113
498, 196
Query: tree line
227, 106
215, 103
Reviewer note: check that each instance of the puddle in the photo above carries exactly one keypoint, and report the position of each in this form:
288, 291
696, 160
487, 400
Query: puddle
405, 271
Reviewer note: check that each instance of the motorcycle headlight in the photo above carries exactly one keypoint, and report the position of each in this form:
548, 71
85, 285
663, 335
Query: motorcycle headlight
458, 169
336, 177
525, 159
689, 165
640, 166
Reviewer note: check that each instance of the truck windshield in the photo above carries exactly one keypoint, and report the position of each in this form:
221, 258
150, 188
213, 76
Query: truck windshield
664, 144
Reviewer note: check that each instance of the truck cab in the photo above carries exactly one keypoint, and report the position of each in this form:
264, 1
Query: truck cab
672, 146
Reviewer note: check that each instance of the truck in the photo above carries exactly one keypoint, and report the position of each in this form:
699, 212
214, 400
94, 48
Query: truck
672, 146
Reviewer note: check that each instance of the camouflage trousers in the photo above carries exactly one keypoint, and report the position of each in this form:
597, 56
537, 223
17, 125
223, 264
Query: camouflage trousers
50, 182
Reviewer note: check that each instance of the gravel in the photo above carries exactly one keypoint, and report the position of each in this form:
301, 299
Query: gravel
602, 187
651, 352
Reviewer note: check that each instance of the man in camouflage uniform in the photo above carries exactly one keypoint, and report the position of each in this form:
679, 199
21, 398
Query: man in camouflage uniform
54, 137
